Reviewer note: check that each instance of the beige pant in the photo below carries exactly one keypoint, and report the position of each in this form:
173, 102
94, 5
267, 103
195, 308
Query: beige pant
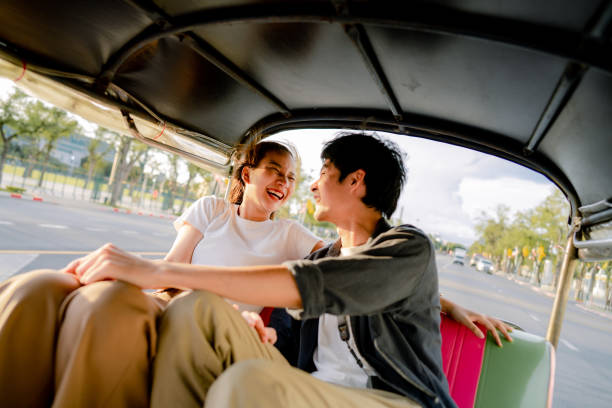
67, 345
207, 355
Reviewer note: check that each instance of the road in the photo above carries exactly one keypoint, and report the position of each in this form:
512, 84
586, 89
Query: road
584, 356
55, 233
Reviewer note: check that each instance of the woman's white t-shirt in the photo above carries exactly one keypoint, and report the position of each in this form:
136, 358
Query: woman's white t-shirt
229, 240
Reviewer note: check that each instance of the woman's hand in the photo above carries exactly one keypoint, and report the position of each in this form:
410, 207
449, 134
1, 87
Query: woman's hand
468, 318
112, 263
266, 334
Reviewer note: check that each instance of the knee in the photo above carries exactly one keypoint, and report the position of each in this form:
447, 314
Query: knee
44, 287
249, 383
110, 301
183, 309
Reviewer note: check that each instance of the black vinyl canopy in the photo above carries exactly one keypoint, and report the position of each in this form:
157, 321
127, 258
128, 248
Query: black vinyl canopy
529, 81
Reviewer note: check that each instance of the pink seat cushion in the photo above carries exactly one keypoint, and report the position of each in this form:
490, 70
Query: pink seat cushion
462, 354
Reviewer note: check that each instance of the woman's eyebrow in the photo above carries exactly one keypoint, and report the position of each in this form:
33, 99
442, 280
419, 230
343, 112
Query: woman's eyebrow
273, 163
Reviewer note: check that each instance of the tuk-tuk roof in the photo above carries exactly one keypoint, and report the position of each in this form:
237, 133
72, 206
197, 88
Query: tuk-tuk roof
530, 81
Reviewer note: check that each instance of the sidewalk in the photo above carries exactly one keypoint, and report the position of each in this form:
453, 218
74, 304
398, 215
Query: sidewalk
549, 291
69, 202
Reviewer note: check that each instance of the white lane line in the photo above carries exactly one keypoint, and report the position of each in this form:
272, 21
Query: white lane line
6, 223
128, 232
56, 226
161, 234
569, 345
96, 229
533, 317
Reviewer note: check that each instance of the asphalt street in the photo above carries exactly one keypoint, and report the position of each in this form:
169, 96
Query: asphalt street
46, 234
584, 356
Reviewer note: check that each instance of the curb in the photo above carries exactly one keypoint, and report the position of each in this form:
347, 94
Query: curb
140, 213
34, 198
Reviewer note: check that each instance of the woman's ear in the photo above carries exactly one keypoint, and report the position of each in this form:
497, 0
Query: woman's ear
245, 174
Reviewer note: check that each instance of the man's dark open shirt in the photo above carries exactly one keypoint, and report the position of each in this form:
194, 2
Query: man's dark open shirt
390, 291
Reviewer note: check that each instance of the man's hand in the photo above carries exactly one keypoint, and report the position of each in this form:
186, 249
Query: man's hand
266, 334
111, 263
468, 318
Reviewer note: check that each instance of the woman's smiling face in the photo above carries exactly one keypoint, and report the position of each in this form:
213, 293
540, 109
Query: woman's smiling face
269, 185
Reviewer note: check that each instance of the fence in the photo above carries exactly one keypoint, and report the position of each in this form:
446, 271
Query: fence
73, 183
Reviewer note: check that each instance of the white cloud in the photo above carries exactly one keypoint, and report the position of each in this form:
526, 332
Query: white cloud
485, 195
447, 186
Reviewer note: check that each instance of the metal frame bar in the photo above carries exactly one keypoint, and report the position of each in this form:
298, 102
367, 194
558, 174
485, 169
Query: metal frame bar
161, 19
553, 333
150, 142
420, 17
570, 79
418, 126
358, 35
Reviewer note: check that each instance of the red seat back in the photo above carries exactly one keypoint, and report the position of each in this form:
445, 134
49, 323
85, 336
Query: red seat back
265, 315
462, 354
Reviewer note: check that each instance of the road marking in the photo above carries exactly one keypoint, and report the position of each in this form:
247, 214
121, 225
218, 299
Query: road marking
47, 252
6, 223
162, 234
533, 317
128, 232
569, 345
53, 226
96, 229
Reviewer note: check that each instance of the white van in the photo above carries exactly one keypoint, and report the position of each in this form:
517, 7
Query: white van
458, 256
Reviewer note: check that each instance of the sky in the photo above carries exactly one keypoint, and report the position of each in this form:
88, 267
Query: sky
448, 187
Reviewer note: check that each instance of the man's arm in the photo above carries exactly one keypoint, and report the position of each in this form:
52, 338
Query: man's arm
258, 285
396, 268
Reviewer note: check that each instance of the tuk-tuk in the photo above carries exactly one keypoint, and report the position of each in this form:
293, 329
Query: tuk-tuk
530, 82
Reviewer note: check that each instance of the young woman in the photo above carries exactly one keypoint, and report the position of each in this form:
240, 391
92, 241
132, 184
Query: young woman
74, 345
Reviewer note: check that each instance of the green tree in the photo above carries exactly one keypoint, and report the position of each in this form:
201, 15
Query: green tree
491, 232
194, 171
95, 154
46, 125
126, 156
543, 226
11, 118
171, 181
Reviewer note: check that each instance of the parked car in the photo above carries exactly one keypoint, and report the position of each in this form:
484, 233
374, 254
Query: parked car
474, 259
484, 265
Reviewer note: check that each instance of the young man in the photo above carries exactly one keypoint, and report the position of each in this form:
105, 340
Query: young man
369, 306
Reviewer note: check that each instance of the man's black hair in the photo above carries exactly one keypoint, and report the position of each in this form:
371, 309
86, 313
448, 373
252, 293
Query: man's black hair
382, 161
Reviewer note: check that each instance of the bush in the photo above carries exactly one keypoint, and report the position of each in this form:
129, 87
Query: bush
13, 189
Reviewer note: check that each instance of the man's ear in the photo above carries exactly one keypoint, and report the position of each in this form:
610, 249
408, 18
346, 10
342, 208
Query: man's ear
245, 174
357, 177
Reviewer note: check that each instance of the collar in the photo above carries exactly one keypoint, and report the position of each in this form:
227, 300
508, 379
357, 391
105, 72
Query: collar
381, 226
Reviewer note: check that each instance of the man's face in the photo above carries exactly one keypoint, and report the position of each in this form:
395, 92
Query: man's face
330, 195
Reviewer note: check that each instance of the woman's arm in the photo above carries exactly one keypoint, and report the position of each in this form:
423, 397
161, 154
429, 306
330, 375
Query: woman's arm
318, 245
186, 240
468, 317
